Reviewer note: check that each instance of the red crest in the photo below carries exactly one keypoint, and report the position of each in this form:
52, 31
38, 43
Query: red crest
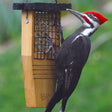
100, 17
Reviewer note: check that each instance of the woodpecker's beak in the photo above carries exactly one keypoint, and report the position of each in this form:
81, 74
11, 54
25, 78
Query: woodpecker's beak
77, 14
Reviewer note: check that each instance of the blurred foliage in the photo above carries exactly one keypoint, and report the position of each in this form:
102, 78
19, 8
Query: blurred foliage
9, 22
93, 93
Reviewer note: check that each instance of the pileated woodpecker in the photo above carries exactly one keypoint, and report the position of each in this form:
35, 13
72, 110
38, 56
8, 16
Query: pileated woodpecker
72, 57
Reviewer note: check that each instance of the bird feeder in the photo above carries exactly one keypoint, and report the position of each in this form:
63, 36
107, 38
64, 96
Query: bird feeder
40, 21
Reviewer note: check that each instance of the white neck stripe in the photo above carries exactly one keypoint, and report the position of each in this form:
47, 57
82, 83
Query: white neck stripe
75, 38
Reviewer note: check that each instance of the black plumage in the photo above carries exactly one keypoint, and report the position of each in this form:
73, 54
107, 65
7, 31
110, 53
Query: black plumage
72, 57
70, 60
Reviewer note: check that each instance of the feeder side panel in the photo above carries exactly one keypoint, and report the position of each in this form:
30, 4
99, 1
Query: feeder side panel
27, 40
27, 33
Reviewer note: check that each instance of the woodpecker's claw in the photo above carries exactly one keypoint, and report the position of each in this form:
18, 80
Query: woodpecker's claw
50, 45
51, 48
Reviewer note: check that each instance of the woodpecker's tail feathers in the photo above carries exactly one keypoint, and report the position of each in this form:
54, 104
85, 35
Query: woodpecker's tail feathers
55, 99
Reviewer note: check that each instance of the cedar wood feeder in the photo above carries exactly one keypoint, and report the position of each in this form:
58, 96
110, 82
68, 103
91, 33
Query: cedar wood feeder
40, 21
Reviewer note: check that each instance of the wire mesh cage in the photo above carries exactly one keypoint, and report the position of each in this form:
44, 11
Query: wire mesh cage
46, 25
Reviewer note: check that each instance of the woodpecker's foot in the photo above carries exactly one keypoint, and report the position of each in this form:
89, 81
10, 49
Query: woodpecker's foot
50, 47
46, 52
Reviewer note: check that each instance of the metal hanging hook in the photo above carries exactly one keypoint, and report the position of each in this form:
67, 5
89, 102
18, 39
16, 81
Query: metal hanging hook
26, 21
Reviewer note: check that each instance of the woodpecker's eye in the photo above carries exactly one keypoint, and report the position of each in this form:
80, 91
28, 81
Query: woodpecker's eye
93, 17
90, 15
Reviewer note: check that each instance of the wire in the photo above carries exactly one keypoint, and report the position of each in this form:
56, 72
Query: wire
56, 1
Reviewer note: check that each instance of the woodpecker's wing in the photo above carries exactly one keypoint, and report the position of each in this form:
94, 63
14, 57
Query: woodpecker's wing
70, 60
